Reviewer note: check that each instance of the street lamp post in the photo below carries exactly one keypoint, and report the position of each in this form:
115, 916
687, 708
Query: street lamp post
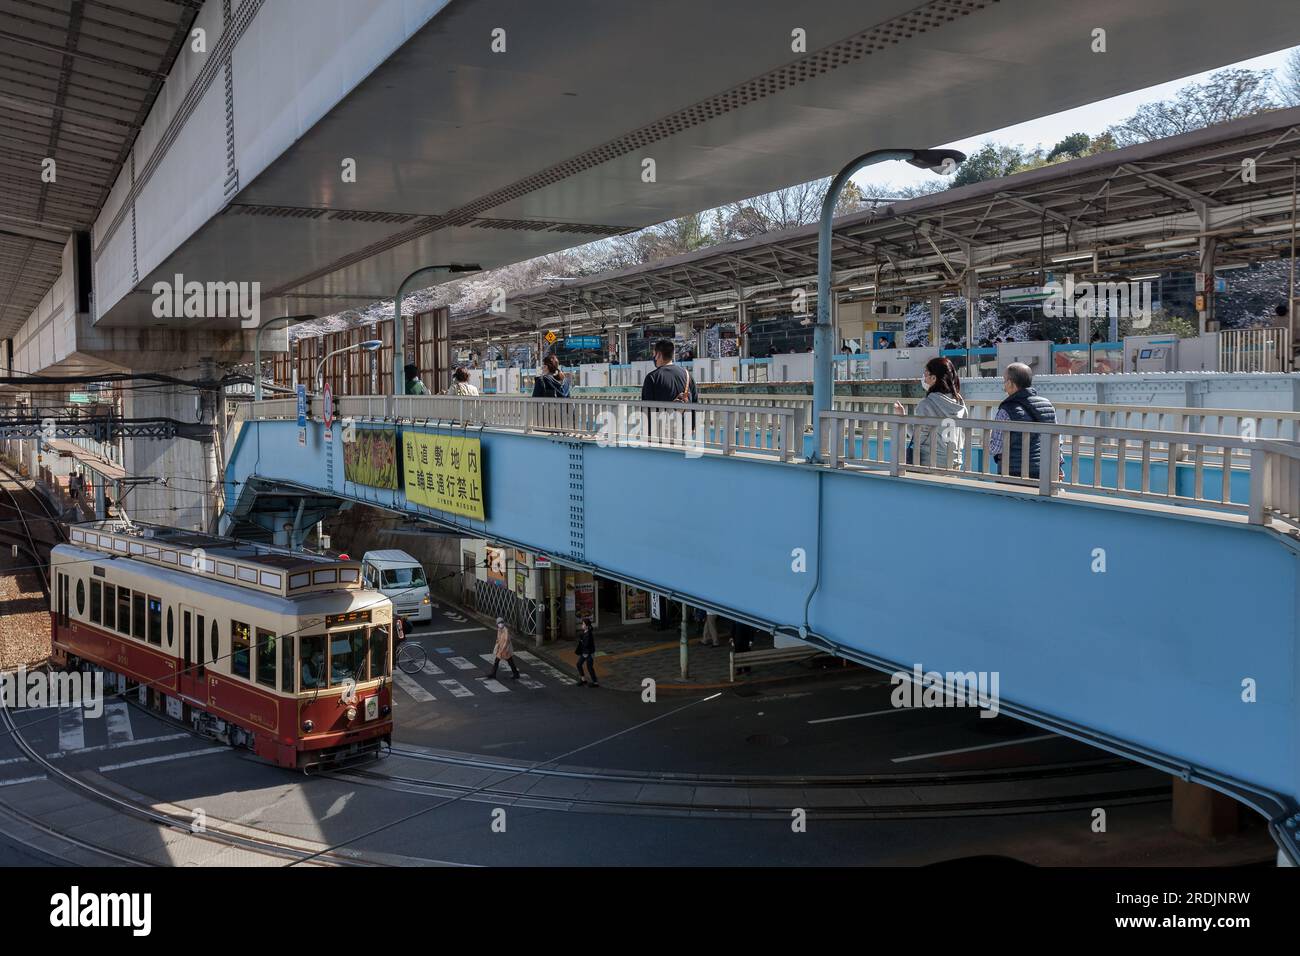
369, 345
399, 328
937, 160
257, 348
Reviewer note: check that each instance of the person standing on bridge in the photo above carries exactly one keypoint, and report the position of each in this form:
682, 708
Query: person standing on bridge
1022, 404
587, 651
504, 651
668, 382
461, 385
413, 384
553, 382
938, 446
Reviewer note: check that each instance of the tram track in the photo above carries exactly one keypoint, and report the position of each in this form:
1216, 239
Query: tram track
911, 795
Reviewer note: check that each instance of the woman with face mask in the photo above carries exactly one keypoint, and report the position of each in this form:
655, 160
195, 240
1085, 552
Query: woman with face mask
937, 444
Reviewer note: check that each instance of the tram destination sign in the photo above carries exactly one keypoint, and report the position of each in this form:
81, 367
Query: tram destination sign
444, 472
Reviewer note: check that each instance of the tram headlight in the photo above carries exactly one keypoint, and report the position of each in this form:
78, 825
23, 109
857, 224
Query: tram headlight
307, 726
352, 714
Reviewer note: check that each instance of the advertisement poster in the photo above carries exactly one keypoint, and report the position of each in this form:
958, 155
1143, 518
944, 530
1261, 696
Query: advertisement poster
584, 599
521, 580
444, 472
372, 458
496, 566
636, 604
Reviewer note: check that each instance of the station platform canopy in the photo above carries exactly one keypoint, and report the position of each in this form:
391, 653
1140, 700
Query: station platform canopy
1138, 210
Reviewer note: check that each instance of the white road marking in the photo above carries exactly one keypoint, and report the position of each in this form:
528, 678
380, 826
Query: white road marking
525, 679
118, 720
164, 758
72, 730
454, 630
463, 664
12, 783
871, 713
99, 748
431, 668
457, 688
412, 687
545, 668
494, 685
966, 750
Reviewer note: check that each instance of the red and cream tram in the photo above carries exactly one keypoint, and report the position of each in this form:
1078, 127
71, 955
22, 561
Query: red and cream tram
283, 653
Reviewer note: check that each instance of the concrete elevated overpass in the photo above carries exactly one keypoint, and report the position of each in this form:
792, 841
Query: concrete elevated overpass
313, 153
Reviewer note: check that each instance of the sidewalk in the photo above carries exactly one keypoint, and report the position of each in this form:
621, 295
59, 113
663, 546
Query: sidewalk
627, 654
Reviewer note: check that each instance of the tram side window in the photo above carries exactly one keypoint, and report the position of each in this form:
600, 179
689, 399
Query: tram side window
96, 602
266, 658
347, 656
110, 606
155, 620
198, 641
124, 611
378, 652
240, 638
311, 661
286, 664
137, 615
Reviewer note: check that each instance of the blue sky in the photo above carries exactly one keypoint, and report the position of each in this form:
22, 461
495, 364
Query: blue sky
1048, 130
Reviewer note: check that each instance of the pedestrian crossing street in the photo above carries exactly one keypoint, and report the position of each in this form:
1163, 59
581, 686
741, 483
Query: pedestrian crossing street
446, 675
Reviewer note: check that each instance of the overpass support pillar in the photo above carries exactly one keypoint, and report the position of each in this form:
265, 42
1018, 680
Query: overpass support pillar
936, 317
1204, 813
742, 328
971, 291
1209, 246
685, 643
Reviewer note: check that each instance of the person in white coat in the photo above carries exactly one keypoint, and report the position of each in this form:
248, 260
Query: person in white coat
938, 444
504, 651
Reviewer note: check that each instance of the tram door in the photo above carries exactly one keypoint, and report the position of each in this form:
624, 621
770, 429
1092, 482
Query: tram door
193, 683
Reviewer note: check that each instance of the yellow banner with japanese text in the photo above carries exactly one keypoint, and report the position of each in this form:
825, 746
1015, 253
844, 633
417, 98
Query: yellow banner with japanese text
444, 472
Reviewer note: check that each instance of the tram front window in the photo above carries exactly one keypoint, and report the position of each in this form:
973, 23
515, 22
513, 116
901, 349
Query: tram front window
311, 661
378, 652
347, 656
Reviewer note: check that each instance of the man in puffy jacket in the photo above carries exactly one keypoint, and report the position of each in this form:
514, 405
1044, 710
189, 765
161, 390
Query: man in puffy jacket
1022, 404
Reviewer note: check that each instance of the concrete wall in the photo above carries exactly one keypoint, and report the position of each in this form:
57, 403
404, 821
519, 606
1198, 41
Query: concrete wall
1253, 390
288, 69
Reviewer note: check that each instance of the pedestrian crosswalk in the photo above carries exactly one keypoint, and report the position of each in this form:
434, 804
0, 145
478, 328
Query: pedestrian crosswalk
115, 721
447, 687
77, 731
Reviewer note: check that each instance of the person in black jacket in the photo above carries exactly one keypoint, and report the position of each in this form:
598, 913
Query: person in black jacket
668, 382
1022, 404
587, 652
553, 382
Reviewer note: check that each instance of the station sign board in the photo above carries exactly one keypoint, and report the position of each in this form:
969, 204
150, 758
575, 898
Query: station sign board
582, 342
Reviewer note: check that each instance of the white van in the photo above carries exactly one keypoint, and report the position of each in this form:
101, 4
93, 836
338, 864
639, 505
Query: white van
401, 579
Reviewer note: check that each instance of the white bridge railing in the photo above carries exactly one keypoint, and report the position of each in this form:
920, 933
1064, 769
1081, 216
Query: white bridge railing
772, 432
1257, 477
1122, 463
